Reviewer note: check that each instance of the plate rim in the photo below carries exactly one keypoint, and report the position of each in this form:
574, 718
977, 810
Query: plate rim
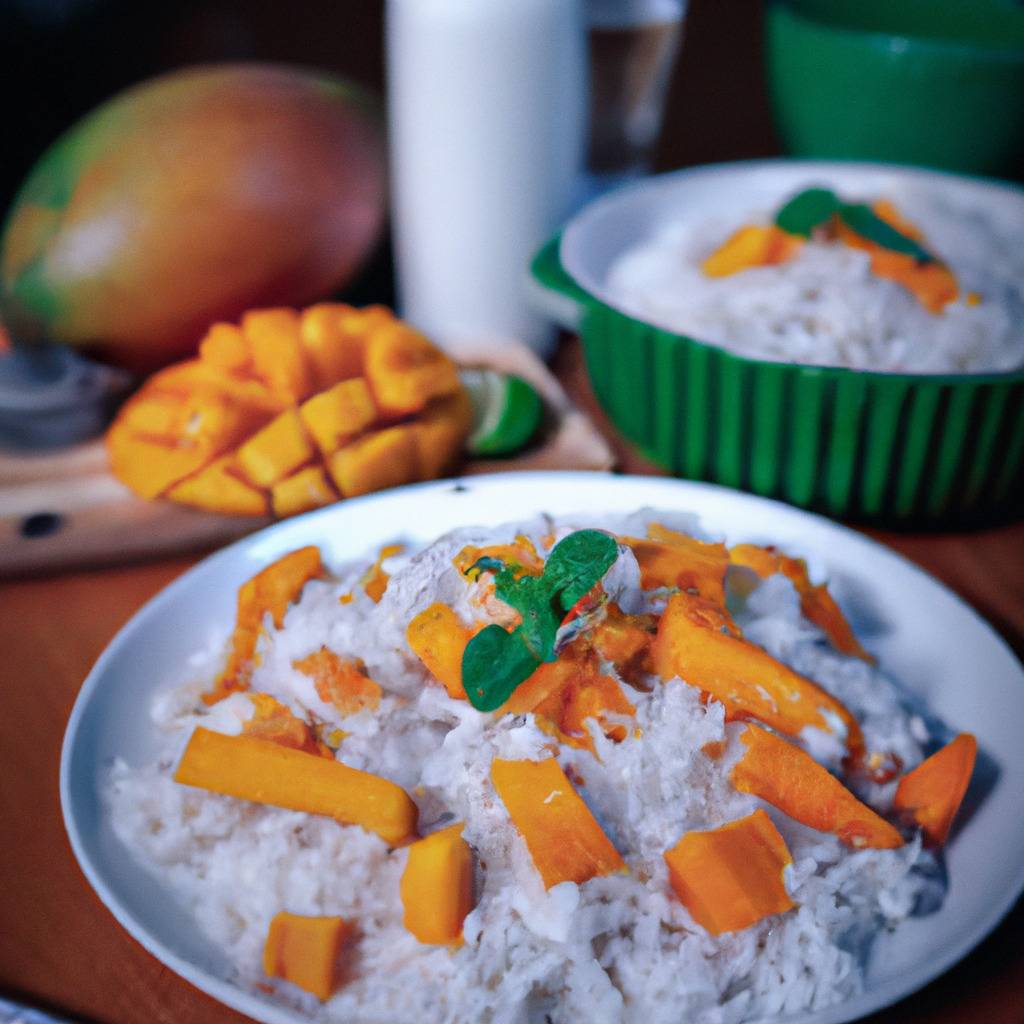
273, 1012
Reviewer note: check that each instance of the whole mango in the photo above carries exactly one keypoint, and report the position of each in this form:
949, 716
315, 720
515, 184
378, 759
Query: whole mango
187, 200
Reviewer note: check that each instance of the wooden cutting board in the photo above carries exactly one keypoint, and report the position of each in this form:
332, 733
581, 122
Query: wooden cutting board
65, 509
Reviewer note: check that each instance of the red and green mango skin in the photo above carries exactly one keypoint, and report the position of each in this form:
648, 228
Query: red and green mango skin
190, 199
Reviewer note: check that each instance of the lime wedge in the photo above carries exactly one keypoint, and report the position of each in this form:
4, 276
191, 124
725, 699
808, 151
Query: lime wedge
506, 412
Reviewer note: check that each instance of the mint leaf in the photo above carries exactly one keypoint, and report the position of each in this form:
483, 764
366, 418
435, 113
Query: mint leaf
865, 222
578, 563
807, 210
494, 663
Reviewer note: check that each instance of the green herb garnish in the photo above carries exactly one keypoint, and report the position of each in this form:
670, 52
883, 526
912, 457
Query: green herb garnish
496, 661
807, 210
814, 207
865, 222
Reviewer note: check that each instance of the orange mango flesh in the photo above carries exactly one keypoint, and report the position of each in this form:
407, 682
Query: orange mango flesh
755, 245
520, 556
791, 780
565, 841
268, 773
816, 603
339, 681
625, 641
286, 398
270, 591
437, 887
931, 794
693, 643
274, 722
438, 637
676, 561
375, 582
305, 951
731, 877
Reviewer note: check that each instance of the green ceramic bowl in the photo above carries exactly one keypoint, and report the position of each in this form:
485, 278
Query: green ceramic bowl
932, 82
886, 448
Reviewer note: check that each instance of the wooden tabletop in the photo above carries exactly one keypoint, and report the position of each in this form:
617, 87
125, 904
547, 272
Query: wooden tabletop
61, 949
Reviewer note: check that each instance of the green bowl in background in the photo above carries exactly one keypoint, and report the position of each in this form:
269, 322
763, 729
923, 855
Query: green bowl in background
890, 449
933, 82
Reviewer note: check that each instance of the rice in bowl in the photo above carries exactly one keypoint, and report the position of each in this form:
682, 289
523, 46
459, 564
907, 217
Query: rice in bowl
617, 946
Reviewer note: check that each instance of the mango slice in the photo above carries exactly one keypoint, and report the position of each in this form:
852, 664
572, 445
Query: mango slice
816, 603
286, 393
931, 794
342, 682
791, 780
731, 877
268, 773
754, 245
305, 950
437, 887
694, 643
438, 637
564, 839
674, 560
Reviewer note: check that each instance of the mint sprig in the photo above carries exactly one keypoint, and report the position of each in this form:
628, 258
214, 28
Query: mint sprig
814, 207
496, 661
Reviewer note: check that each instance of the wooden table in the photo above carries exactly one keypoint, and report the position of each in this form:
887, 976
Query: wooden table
60, 948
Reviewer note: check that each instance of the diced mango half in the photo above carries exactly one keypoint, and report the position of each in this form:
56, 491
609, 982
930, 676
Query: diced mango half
437, 887
305, 950
565, 841
731, 877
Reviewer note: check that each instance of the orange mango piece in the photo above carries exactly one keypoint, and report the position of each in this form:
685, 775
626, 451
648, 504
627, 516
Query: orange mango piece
303, 491
342, 682
755, 245
338, 414
731, 877
225, 348
150, 467
674, 560
931, 794
593, 699
384, 458
276, 351
270, 591
406, 371
276, 451
274, 722
438, 637
375, 580
816, 603
791, 780
218, 486
333, 353
625, 641
437, 887
564, 839
268, 773
693, 643
305, 951
441, 432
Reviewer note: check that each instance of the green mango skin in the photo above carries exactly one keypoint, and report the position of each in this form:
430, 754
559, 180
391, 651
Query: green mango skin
190, 199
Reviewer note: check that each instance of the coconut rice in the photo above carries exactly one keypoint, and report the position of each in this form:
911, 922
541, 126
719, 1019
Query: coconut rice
825, 306
615, 948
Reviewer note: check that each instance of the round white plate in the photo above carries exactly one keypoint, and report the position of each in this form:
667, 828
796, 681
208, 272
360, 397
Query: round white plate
924, 636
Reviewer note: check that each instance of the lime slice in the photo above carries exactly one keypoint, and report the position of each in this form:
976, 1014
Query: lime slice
506, 412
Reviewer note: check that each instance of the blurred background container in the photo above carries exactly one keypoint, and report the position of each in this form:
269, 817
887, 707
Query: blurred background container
933, 82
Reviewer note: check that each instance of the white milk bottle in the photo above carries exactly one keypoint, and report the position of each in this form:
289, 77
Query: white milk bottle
487, 109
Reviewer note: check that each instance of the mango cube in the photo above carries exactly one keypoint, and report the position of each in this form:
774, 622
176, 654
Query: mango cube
225, 347
437, 887
218, 489
305, 950
405, 370
441, 433
303, 491
276, 451
385, 458
336, 415
277, 355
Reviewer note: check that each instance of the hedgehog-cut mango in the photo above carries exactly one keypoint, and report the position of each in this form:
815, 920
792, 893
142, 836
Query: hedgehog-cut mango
289, 411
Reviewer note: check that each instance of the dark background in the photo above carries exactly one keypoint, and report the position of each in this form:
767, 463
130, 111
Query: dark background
66, 56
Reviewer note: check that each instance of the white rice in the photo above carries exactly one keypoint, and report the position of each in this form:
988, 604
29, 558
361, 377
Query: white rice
826, 307
618, 948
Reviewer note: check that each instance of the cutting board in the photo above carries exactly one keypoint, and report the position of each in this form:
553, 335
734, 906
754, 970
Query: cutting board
64, 509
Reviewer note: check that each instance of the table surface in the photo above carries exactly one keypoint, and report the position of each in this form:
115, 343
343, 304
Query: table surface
60, 948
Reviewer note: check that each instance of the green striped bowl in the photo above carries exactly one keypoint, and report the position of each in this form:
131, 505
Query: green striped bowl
890, 449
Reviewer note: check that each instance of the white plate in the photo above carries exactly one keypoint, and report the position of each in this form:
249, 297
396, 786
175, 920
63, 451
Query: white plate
924, 636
